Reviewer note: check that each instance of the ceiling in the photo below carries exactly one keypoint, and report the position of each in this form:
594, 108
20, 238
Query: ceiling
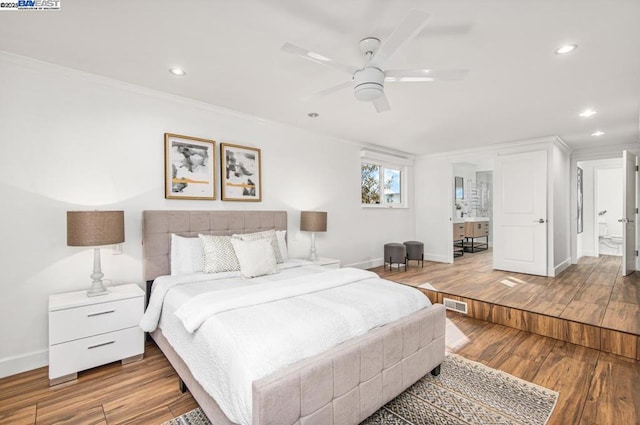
516, 87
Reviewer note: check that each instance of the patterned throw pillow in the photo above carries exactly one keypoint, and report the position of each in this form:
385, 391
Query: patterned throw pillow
267, 234
256, 257
219, 255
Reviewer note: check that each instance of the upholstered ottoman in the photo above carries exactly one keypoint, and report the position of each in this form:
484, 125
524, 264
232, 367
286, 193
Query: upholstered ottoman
395, 253
415, 251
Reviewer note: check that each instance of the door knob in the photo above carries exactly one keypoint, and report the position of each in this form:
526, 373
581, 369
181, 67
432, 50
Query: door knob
624, 220
541, 221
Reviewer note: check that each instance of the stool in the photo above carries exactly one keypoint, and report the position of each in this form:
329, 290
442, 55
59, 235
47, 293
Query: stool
395, 253
415, 251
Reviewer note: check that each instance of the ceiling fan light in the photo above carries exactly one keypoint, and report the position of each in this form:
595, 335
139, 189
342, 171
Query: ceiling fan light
368, 92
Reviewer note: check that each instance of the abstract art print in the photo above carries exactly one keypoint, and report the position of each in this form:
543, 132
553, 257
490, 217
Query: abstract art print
189, 167
240, 169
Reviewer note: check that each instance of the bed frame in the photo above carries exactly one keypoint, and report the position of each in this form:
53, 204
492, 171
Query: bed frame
344, 385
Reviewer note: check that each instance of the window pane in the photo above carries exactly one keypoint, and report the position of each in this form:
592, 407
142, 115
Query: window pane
392, 186
370, 183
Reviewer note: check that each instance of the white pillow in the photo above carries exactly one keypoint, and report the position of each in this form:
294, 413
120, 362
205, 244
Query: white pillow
186, 255
219, 255
267, 234
256, 257
281, 236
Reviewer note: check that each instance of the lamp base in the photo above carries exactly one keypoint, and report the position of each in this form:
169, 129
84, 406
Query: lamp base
97, 288
313, 256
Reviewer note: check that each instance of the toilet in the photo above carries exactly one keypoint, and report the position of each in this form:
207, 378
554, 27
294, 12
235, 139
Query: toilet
608, 244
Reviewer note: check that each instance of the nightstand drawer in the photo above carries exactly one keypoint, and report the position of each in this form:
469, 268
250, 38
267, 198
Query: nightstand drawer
94, 351
75, 323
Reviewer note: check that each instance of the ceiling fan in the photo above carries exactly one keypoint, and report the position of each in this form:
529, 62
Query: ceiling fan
368, 80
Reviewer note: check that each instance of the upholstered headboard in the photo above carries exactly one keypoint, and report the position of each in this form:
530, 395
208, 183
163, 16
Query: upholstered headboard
157, 227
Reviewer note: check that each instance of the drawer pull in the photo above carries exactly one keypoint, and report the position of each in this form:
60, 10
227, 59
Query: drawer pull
100, 313
100, 345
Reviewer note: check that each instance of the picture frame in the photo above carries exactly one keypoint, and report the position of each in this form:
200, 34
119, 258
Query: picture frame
580, 221
189, 167
241, 173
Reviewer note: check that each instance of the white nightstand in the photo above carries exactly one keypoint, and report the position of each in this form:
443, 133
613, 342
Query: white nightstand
86, 332
328, 263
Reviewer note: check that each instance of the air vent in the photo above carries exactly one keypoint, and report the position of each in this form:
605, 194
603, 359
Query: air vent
455, 305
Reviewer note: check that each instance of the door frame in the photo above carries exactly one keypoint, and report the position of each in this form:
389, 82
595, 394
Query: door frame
594, 155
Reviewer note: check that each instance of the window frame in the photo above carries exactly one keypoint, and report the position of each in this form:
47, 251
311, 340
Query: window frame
392, 165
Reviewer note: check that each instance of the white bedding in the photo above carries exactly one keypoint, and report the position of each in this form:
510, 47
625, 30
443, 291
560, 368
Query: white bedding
239, 339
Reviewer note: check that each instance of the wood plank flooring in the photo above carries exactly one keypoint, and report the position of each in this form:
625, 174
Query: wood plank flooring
595, 387
590, 303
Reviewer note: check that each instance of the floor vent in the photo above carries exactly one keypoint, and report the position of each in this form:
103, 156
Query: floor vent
455, 305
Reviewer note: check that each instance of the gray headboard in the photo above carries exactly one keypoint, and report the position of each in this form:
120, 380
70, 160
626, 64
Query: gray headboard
157, 227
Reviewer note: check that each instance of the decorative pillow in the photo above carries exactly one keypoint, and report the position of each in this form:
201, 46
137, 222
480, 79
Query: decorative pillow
281, 236
256, 257
219, 255
186, 255
267, 234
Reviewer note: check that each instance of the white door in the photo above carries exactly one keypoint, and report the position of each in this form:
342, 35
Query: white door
520, 213
629, 211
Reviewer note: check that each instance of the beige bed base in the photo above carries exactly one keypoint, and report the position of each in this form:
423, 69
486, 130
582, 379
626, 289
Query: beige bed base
344, 385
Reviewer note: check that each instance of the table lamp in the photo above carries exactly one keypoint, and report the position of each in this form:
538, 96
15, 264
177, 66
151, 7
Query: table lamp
313, 221
95, 229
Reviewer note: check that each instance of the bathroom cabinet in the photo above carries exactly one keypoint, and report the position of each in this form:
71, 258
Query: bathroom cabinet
476, 234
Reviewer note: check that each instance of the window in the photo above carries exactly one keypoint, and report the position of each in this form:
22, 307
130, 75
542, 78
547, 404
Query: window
382, 184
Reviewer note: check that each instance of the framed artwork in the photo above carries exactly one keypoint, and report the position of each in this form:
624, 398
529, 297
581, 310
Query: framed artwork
580, 221
240, 169
189, 167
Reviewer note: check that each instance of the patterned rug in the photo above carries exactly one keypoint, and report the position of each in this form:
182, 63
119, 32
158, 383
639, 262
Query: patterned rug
465, 392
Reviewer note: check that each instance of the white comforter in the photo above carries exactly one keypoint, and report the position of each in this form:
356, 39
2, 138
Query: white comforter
232, 332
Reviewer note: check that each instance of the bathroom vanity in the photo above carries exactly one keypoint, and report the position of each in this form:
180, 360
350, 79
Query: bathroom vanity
470, 234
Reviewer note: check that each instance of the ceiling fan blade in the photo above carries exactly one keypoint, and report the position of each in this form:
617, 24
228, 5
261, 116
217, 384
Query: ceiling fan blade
381, 104
422, 75
330, 90
405, 32
316, 57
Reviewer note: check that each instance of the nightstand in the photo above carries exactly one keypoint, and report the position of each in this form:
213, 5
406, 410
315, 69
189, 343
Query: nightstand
86, 332
328, 263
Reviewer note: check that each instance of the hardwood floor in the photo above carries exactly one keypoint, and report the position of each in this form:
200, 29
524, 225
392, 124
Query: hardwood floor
590, 303
594, 387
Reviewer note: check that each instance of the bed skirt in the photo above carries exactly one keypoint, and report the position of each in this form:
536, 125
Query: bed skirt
344, 385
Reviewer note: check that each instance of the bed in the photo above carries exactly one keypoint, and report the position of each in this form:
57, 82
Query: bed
341, 384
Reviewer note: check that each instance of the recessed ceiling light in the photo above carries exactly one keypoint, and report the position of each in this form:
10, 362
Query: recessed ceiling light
313, 115
178, 72
597, 133
587, 113
566, 49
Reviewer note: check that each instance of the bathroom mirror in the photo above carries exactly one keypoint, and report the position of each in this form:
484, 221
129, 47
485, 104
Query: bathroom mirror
459, 188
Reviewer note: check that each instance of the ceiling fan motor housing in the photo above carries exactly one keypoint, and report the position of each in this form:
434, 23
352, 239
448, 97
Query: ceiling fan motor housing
368, 84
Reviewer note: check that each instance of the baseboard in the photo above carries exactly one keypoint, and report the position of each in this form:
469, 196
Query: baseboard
17, 364
590, 253
561, 267
437, 258
376, 262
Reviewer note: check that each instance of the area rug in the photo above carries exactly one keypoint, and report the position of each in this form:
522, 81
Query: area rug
465, 392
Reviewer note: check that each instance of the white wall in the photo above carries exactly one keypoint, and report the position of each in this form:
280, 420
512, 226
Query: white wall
73, 141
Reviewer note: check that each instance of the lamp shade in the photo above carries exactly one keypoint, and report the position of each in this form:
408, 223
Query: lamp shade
313, 221
95, 228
